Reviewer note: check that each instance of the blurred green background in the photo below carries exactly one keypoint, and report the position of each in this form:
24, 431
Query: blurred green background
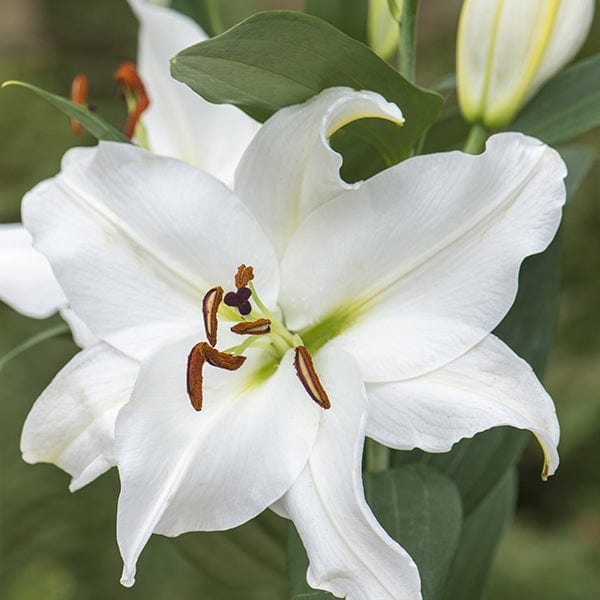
54, 545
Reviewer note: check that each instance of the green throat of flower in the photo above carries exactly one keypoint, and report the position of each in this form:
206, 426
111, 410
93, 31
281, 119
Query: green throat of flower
261, 329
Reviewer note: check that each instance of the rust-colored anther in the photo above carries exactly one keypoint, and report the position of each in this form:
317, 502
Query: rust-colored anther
258, 327
243, 276
196, 360
309, 378
222, 360
210, 309
204, 353
130, 82
79, 90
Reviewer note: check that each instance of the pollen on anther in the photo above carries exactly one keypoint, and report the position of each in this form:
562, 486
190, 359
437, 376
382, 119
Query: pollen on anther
130, 82
210, 309
305, 370
243, 276
195, 364
79, 89
258, 327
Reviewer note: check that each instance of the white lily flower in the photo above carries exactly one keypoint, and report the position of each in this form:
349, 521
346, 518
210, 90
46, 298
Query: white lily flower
392, 285
508, 49
179, 123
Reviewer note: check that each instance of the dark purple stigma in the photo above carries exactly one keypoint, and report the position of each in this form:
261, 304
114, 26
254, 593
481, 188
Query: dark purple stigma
239, 300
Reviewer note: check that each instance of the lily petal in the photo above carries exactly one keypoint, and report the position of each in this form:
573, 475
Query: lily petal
183, 470
135, 253
72, 423
426, 253
350, 554
289, 168
82, 335
180, 123
487, 387
27, 283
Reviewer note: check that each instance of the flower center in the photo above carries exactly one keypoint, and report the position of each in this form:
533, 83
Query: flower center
262, 329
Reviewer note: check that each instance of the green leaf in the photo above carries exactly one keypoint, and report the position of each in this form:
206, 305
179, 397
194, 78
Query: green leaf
349, 16
579, 160
421, 509
567, 106
275, 59
418, 507
96, 125
480, 536
204, 12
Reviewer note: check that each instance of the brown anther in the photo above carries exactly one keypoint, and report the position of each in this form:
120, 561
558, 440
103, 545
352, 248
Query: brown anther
258, 327
222, 360
196, 360
243, 276
130, 82
79, 89
210, 309
204, 353
309, 378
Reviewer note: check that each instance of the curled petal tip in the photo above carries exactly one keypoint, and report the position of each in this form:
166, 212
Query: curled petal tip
128, 577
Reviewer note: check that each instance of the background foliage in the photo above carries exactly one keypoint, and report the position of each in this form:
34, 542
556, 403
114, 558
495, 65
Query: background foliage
57, 545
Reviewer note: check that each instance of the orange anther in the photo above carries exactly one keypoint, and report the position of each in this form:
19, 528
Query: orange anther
130, 84
79, 89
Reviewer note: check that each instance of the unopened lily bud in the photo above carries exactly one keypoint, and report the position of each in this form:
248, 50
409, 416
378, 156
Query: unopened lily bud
508, 49
382, 28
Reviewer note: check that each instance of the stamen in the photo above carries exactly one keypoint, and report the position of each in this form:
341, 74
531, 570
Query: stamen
243, 276
309, 378
258, 327
204, 353
222, 360
79, 89
210, 308
131, 86
196, 360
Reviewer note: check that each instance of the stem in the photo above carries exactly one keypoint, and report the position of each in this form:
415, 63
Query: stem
408, 40
377, 457
33, 341
476, 141
213, 16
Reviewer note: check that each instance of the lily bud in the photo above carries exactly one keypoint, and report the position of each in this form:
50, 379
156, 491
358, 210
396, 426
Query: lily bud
382, 28
508, 49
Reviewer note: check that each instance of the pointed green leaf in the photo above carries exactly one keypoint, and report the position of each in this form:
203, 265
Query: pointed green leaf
96, 125
579, 160
481, 534
349, 16
567, 105
421, 509
275, 59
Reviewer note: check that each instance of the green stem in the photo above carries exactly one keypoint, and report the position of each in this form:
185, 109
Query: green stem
214, 17
33, 341
408, 40
377, 456
476, 141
